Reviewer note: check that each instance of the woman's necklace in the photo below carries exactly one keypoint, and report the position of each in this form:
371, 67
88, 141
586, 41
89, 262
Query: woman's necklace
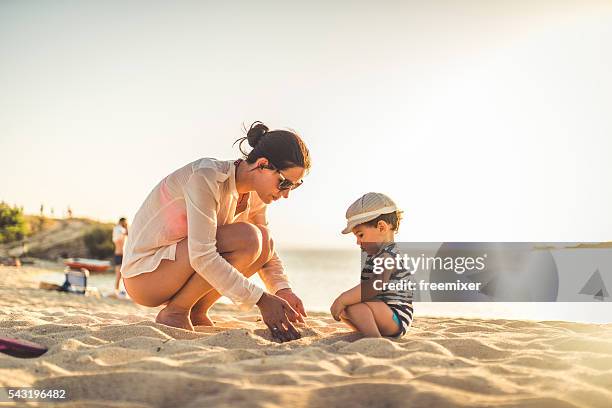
241, 196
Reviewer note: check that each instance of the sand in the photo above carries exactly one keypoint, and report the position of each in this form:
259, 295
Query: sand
108, 352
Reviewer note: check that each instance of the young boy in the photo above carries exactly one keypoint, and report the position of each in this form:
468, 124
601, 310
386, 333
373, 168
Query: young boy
371, 308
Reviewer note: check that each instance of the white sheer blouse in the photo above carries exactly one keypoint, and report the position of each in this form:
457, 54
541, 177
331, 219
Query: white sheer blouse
190, 203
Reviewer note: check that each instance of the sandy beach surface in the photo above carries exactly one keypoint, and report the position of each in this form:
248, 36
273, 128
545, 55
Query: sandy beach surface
111, 353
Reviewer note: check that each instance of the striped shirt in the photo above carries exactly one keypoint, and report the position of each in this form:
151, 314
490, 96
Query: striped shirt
399, 299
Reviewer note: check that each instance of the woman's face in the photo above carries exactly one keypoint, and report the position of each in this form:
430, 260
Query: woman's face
267, 180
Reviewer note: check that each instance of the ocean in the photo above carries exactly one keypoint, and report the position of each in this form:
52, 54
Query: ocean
318, 276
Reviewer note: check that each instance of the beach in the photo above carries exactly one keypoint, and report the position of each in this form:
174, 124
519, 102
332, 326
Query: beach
107, 352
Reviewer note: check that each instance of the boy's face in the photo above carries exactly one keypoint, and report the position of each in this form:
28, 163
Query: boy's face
369, 238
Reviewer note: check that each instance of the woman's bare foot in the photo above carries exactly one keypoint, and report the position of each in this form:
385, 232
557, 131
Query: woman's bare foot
174, 317
200, 319
199, 311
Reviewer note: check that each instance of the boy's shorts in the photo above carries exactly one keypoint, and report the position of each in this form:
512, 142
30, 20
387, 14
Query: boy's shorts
402, 316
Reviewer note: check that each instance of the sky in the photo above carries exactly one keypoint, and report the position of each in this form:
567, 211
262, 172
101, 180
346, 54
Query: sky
483, 120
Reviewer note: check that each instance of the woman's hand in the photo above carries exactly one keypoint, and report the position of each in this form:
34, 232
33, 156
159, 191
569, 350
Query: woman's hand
294, 301
276, 313
337, 307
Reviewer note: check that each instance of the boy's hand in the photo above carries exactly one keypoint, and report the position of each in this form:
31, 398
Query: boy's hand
336, 308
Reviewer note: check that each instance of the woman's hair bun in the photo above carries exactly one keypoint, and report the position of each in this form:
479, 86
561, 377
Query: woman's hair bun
256, 132
282, 148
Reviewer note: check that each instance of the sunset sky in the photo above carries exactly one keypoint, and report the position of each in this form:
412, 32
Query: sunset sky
483, 120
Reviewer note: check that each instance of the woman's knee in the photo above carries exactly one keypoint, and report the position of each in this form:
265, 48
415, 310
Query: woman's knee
251, 241
267, 244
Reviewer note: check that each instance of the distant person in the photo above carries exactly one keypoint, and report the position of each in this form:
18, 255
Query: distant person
120, 232
203, 231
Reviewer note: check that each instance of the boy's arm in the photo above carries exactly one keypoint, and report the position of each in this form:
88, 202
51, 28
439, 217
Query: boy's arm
351, 296
365, 288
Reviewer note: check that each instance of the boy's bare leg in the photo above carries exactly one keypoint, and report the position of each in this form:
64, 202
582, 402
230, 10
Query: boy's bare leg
346, 320
361, 317
383, 315
199, 311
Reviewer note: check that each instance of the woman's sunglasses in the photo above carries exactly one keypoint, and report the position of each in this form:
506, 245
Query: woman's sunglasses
285, 184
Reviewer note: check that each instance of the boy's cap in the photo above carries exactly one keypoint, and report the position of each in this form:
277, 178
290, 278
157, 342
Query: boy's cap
367, 208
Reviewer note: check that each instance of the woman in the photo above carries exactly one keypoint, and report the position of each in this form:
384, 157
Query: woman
201, 233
